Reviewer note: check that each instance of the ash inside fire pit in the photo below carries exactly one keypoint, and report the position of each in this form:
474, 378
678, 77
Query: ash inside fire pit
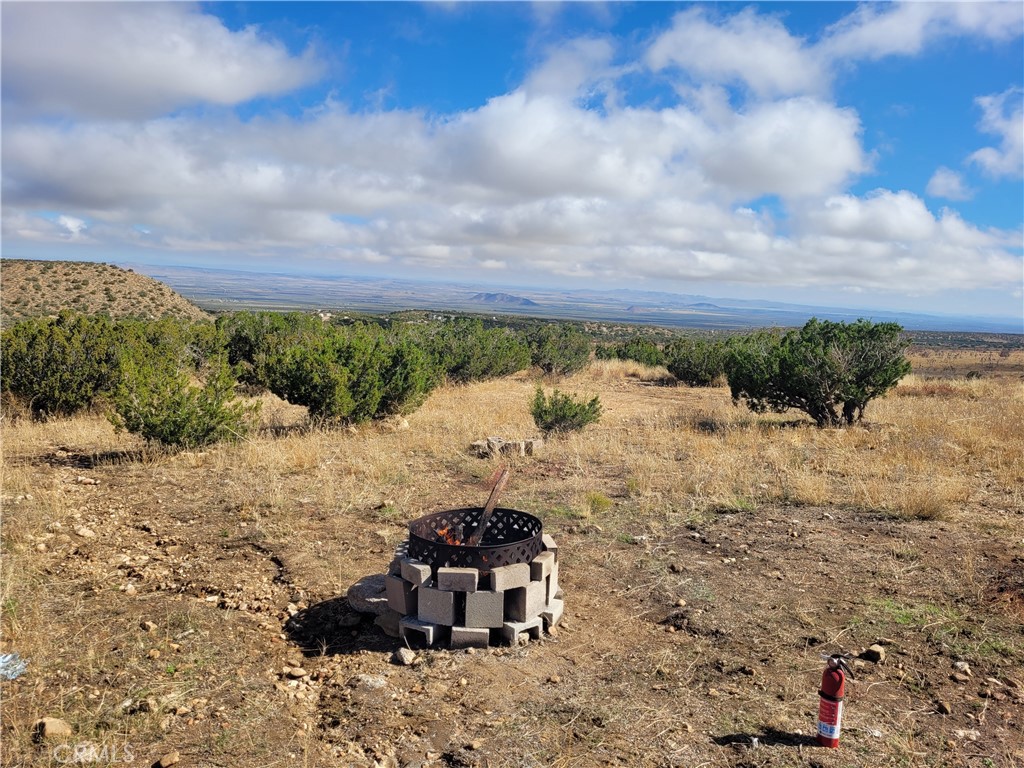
439, 540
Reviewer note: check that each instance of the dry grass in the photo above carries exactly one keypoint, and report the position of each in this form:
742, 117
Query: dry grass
740, 505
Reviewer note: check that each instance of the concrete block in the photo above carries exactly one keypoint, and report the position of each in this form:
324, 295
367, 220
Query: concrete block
485, 609
410, 629
470, 637
416, 573
401, 595
436, 606
550, 545
457, 579
552, 614
402, 550
510, 576
525, 603
395, 567
552, 591
388, 622
514, 632
541, 566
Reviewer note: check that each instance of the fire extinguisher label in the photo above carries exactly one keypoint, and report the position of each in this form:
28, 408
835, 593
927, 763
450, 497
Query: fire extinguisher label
830, 716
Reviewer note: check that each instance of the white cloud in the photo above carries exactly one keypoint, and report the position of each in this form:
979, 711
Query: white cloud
948, 184
134, 60
1003, 116
876, 30
748, 48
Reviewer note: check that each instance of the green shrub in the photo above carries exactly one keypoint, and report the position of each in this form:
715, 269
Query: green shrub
696, 362
155, 399
559, 349
313, 378
562, 412
638, 349
61, 365
463, 350
828, 370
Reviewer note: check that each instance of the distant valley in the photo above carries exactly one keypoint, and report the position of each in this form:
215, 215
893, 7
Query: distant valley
227, 290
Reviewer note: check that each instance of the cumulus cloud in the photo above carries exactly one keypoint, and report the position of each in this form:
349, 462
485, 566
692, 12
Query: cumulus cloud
948, 184
876, 30
1003, 116
534, 181
747, 48
135, 60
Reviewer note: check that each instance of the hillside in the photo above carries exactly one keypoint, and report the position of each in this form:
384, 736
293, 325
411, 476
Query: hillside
34, 288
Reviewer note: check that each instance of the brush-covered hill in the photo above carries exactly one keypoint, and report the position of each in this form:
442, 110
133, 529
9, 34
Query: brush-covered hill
44, 288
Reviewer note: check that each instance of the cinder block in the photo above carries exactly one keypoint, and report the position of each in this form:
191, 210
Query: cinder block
402, 550
510, 576
541, 566
388, 622
395, 567
413, 629
469, 637
401, 595
513, 631
485, 609
552, 614
553, 592
457, 579
550, 545
525, 603
416, 573
436, 606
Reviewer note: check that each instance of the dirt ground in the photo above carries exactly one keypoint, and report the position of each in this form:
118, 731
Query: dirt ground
159, 600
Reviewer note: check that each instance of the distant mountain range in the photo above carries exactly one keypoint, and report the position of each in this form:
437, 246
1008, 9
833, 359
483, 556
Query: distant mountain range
223, 290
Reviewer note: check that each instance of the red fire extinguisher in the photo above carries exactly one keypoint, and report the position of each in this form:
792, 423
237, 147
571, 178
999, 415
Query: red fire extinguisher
830, 707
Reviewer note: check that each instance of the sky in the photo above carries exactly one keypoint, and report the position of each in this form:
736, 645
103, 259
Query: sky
849, 154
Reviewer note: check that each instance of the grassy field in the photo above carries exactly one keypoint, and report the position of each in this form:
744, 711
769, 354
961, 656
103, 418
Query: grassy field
709, 557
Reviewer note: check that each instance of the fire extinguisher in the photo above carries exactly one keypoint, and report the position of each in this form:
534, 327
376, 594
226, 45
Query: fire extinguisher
830, 707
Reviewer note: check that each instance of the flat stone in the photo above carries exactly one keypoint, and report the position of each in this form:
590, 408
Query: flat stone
368, 595
171, 758
51, 728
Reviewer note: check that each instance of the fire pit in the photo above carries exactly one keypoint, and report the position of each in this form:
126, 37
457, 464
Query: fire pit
475, 577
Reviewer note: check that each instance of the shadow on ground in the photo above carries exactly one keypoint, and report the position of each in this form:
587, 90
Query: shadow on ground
332, 628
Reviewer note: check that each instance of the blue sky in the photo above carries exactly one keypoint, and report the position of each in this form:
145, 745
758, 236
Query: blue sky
867, 155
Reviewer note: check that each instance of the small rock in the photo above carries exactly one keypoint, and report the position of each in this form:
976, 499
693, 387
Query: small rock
171, 758
680, 603
944, 708
875, 653
463, 682
85, 532
403, 657
296, 673
960, 677
970, 734
40, 547
962, 667
149, 626
553, 631
474, 745
373, 682
554, 679
51, 728
130, 589
153, 653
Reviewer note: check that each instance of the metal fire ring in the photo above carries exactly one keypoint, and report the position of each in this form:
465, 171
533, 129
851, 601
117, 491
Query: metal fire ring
511, 537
